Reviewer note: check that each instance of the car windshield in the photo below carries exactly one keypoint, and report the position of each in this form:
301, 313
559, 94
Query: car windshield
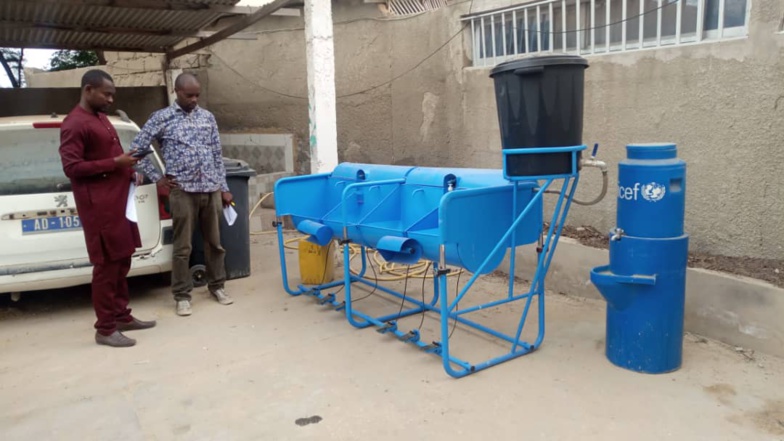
30, 161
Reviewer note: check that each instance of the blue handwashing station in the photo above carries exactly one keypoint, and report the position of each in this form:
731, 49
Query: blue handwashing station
463, 220
645, 282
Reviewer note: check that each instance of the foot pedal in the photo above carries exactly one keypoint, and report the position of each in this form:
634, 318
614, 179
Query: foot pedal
434, 348
340, 306
410, 337
329, 298
388, 327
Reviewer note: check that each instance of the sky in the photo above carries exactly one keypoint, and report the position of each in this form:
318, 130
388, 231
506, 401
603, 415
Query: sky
33, 58
40, 57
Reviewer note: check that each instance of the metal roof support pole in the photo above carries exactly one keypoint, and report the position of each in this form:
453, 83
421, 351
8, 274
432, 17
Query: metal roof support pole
321, 86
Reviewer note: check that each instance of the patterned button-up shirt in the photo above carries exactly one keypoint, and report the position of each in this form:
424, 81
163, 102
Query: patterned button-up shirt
191, 149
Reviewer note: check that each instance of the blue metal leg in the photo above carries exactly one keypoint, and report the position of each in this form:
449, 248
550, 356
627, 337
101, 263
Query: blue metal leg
551, 252
513, 255
347, 286
445, 315
541, 268
283, 267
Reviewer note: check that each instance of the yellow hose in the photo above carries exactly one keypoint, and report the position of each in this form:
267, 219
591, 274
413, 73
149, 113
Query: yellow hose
255, 207
396, 271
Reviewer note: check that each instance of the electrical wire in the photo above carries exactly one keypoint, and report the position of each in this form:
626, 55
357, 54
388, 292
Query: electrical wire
255, 207
386, 83
392, 271
405, 289
595, 200
457, 306
422, 320
348, 95
375, 276
420, 63
356, 20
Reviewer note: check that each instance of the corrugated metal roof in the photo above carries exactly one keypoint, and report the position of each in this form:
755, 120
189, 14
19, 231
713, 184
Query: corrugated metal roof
138, 25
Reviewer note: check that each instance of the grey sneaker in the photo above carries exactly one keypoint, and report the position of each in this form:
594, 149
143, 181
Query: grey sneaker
116, 340
221, 296
184, 307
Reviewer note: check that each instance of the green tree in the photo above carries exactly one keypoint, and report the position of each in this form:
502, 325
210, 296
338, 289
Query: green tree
12, 62
68, 59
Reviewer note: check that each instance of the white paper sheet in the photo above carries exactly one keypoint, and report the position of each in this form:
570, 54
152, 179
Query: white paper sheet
130, 207
230, 214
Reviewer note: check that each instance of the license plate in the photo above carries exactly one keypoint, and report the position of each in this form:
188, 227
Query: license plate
51, 224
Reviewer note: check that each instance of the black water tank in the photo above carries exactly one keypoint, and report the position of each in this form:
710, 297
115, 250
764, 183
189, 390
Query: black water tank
540, 104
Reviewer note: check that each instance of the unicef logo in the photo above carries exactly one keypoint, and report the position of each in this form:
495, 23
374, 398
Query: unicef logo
653, 192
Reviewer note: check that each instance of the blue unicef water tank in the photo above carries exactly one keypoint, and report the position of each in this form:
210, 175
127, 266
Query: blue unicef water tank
651, 191
645, 282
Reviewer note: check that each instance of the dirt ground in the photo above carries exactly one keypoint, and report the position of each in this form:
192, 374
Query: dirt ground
769, 270
276, 367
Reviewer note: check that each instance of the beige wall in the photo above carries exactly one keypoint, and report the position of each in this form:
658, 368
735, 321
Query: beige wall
720, 102
415, 120
128, 70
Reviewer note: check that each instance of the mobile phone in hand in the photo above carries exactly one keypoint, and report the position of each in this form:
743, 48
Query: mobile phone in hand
139, 154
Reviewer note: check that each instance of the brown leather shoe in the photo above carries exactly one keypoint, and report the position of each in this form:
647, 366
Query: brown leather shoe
116, 340
135, 325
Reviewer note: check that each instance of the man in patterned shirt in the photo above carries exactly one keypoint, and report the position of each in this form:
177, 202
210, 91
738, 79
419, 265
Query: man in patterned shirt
196, 178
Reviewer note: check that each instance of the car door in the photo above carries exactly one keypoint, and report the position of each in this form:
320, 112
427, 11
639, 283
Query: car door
146, 196
40, 228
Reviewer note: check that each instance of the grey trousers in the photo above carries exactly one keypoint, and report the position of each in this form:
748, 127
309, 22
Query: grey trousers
188, 211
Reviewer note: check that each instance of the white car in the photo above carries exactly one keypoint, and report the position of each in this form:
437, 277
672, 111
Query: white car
42, 245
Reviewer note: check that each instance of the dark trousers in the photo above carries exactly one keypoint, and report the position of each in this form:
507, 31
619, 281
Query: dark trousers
110, 295
188, 211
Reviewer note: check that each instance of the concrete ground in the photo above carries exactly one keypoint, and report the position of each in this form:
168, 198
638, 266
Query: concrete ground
272, 367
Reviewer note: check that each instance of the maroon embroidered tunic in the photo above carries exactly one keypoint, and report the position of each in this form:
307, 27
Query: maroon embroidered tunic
88, 145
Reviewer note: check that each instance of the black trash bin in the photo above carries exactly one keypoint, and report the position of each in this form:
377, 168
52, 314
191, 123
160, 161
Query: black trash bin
540, 104
236, 238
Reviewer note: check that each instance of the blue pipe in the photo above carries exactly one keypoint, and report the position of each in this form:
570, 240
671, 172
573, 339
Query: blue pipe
492, 304
500, 359
283, 268
484, 328
347, 278
397, 316
569, 200
513, 254
540, 269
442, 293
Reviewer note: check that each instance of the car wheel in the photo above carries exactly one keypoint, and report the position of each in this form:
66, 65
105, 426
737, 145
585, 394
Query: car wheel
199, 275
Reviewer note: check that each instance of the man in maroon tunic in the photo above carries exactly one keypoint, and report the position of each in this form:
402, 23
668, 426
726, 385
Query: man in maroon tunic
101, 175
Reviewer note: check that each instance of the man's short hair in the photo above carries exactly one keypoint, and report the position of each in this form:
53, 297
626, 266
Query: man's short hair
183, 78
95, 77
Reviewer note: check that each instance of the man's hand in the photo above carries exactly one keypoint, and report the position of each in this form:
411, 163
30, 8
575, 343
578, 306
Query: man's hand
168, 182
126, 160
227, 198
